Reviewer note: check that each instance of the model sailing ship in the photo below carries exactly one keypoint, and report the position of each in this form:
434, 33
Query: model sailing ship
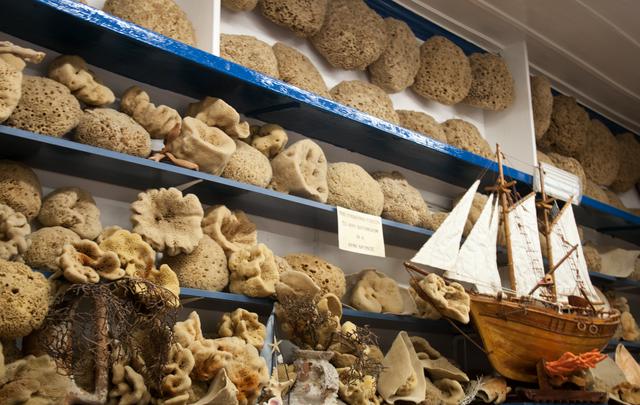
538, 316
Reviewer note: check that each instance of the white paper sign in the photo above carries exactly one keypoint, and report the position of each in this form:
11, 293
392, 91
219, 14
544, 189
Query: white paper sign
558, 183
360, 233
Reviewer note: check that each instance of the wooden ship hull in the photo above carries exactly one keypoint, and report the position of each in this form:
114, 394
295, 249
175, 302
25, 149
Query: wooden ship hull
516, 337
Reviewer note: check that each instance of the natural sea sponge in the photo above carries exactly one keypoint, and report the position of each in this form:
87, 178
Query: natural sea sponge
232, 230
12, 62
135, 255
301, 170
350, 186
248, 165
365, 97
448, 299
542, 104
544, 158
600, 157
375, 292
176, 383
73, 72
205, 268
596, 192
24, 299
249, 52
570, 165
592, 257
245, 325
113, 130
398, 65
240, 5
445, 72
253, 271
46, 245
215, 112
492, 87
435, 220
402, 202
33, 380
269, 139
303, 17
20, 188
629, 171
328, 277
465, 135
14, 228
297, 69
73, 208
162, 16
160, 121
422, 123
352, 37
83, 262
567, 133
46, 107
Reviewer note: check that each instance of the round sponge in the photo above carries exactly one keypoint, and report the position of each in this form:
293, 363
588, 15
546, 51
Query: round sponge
465, 135
249, 52
567, 133
422, 123
328, 277
46, 246
113, 130
365, 97
204, 268
600, 157
352, 37
542, 103
596, 192
444, 74
491, 84
402, 202
248, 165
46, 107
20, 188
303, 17
396, 68
73, 208
629, 171
240, 5
162, 16
350, 186
296, 69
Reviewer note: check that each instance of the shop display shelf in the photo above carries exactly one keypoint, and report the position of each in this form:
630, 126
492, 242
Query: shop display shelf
223, 301
76, 159
615, 283
632, 347
609, 220
399, 322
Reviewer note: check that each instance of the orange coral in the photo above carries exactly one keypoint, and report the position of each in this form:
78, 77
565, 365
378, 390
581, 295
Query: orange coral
570, 363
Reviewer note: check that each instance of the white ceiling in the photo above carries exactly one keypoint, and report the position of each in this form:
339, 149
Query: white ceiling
588, 48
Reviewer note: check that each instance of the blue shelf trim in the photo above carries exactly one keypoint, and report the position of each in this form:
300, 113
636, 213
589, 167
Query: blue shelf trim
632, 347
615, 283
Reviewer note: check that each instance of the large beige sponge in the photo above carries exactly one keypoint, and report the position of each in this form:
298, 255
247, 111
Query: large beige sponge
10, 89
570, 165
20, 188
402, 202
596, 192
46, 246
445, 72
240, 5
567, 133
352, 37
396, 68
465, 135
542, 104
350, 186
422, 123
73, 208
365, 97
492, 87
600, 157
329, 278
249, 52
113, 130
162, 16
46, 107
303, 17
629, 171
296, 69
248, 165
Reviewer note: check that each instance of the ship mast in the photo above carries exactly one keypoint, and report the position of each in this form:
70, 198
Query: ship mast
502, 187
545, 205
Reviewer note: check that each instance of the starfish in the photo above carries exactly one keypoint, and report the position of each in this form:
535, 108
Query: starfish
275, 346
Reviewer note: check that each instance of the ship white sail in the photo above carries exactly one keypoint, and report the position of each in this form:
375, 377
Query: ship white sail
477, 261
572, 275
441, 250
526, 254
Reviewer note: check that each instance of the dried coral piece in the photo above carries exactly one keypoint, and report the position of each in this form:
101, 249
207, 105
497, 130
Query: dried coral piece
14, 228
567, 133
542, 104
248, 165
269, 139
465, 135
205, 268
398, 65
249, 52
20, 188
303, 17
33, 380
73, 208
232, 230
12, 62
84, 262
45, 246
253, 271
328, 277
365, 97
245, 325
350, 186
629, 171
129, 386
492, 87
600, 157
160, 121
445, 72
135, 255
73, 72
109, 129
167, 220
46, 107
402, 202
421, 123
162, 16
215, 112
301, 170
176, 382
570, 165
297, 69
352, 37
375, 292
449, 299
24, 298
240, 5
